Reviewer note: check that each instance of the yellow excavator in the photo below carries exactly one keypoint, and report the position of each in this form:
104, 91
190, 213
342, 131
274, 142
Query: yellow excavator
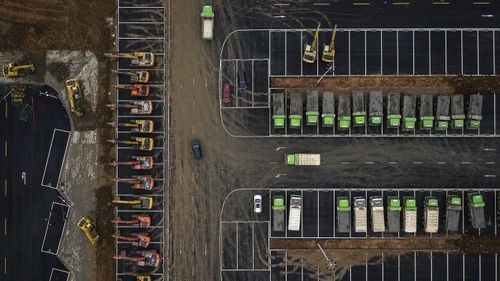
135, 76
141, 202
75, 95
88, 227
13, 70
137, 142
329, 50
310, 49
137, 126
136, 58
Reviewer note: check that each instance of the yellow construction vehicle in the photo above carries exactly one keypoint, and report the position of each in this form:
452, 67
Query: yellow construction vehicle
310, 50
13, 70
143, 278
141, 202
136, 58
329, 50
138, 126
75, 95
88, 227
135, 76
137, 142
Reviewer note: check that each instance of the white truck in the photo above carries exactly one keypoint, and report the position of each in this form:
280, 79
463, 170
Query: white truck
360, 214
431, 215
207, 19
301, 159
295, 210
410, 215
377, 209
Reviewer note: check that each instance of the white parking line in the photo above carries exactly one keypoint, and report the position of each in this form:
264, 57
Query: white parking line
60, 270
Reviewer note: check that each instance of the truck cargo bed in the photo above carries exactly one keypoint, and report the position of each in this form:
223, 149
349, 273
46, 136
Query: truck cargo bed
409, 106
443, 108
344, 105
425, 106
394, 103
296, 104
475, 105
278, 104
312, 100
344, 221
328, 103
457, 105
393, 221
376, 103
358, 101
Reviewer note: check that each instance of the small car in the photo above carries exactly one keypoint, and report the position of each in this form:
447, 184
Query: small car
226, 93
195, 145
257, 203
242, 81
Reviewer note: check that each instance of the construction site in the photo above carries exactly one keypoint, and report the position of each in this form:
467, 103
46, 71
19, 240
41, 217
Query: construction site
157, 140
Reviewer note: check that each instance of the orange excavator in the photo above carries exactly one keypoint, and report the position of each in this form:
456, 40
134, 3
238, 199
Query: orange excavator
139, 240
141, 107
136, 90
138, 182
137, 163
141, 76
138, 126
141, 258
137, 143
136, 221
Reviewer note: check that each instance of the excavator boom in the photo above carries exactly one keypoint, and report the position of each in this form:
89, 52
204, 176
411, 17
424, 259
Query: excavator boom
13, 70
141, 221
141, 76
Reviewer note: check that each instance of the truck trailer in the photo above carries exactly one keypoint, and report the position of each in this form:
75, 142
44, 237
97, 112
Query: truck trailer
409, 215
442, 112
295, 212
278, 213
393, 214
409, 112
376, 108
302, 159
475, 112
431, 214
360, 214
393, 110
278, 110
328, 113
453, 210
476, 210
457, 112
343, 214
296, 109
377, 212
359, 108
344, 112
312, 113
426, 107
207, 19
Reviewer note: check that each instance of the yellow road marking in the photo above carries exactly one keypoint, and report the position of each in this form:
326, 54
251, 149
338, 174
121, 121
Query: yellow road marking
480, 3
441, 3
361, 4
5, 148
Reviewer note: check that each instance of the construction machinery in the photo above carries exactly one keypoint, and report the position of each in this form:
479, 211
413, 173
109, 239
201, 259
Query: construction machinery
310, 50
393, 110
343, 214
442, 113
296, 110
136, 221
141, 258
393, 214
457, 112
88, 227
138, 239
207, 19
358, 108
476, 210
143, 278
141, 107
278, 213
453, 209
328, 110
138, 202
360, 224
409, 112
426, 117
138, 182
137, 126
344, 112
409, 214
377, 212
329, 50
475, 111
12, 70
295, 212
312, 110
75, 96
137, 163
140, 143
431, 214
136, 76
376, 108
136, 90
143, 59
278, 110
302, 159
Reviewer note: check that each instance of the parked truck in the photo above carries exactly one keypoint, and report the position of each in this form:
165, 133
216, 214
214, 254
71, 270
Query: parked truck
457, 111
278, 213
409, 215
278, 110
476, 210
431, 214
312, 113
343, 214
295, 212
426, 117
377, 212
328, 113
453, 210
360, 214
409, 112
376, 108
207, 18
302, 159
393, 214
393, 110
442, 112
475, 112
296, 108
359, 108
344, 112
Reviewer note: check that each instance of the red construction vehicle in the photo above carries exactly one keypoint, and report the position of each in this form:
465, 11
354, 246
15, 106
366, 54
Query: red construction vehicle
136, 221
137, 90
138, 182
138, 126
141, 258
140, 240
141, 107
138, 163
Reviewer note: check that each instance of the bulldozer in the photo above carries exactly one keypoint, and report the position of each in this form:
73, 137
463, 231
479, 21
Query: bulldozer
141, 258
136, 90
12, 70
141, 76
88, 227
141, 202
138, 182
75, 95
141, 107
137, 163
138, 240
310, 49
144, 59
136, 221
329, 50
137, 143
138, 126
